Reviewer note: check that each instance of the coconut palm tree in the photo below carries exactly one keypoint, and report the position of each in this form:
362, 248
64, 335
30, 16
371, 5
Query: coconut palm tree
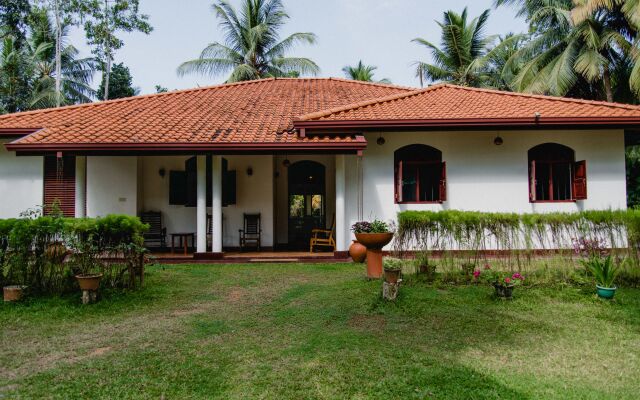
463, 42
252, 48
77, 73
362, 72
568, 59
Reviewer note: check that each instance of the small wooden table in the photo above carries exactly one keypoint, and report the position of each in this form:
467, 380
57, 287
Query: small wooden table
183, 236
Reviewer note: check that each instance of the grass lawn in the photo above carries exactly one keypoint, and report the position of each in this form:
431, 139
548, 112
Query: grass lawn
319, 331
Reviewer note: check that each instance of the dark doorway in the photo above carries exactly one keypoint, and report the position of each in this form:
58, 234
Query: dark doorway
306, 201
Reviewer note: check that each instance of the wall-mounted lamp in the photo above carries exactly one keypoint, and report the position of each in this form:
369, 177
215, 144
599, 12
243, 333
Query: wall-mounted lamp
498, 141
249, 171
381, 141
162, 172
286, 163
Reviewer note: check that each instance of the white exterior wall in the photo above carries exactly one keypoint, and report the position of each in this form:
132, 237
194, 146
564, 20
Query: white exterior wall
112, 185
21, 183
254, 194
484, 177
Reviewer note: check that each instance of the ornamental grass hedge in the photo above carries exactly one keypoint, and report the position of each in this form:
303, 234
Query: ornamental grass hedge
517, 236
44, 253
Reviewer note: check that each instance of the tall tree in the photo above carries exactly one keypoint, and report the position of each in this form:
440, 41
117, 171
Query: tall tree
462, 43
16, 71
362, 72
121, 83
104, 19
569, 58
76, 73
13, 19
252, 48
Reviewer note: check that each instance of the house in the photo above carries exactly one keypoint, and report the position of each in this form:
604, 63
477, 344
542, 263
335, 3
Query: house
301, 152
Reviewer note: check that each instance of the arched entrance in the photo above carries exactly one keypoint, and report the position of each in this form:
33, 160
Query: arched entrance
306, 201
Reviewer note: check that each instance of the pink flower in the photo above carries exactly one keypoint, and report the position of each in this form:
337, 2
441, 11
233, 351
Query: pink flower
507, 280
476, 273
517, 276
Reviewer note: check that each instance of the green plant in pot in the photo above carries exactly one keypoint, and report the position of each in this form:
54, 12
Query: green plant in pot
503, 282
84, 263
374, 235
600, 263
392, 269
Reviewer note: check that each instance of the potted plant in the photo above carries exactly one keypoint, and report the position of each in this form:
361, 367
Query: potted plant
605, 273
374, 235
503, 282
392, 270
599, 262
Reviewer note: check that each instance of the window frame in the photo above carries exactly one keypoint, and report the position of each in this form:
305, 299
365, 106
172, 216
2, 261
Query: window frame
534, 163
399, 164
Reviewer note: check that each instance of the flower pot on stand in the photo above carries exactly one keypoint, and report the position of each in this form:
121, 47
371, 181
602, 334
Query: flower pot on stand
358, 252
89, 284
392, 275
12, 293
374, 242
504, 291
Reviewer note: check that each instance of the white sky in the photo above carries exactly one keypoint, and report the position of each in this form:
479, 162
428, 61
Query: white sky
377, 31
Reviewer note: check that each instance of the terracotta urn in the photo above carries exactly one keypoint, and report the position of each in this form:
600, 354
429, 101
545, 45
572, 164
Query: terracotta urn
358, 252
89, 281
12, 293
374, 243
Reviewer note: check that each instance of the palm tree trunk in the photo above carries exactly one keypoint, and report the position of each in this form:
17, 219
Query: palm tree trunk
58, 52
606, 77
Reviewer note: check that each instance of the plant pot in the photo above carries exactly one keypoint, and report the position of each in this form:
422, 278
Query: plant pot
358, 252
12, 293
89, 281
391, 275
504, 291
605, 293
374, 243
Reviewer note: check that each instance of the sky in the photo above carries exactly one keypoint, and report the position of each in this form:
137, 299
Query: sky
378, 32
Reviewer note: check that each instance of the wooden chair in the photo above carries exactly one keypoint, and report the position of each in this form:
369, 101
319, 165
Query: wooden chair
157, 233
251, 232
323, 237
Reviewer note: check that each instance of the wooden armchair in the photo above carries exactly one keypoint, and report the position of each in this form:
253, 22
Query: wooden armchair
157, 233
323, 237
251, 232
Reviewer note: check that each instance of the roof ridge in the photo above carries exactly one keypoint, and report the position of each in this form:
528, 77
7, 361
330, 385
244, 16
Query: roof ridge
365, 103
545, 97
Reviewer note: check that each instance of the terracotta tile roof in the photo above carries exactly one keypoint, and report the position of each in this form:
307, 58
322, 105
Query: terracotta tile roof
451, 102
260, 111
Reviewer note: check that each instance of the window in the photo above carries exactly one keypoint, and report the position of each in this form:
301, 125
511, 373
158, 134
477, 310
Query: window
60, 185
420, 175
187, 182
554, 175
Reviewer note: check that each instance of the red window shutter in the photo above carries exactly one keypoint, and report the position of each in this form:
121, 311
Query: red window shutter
60, 184
443, 182
580, 180
532, 181
399, 182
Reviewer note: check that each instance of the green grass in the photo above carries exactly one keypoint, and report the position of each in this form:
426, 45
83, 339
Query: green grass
319, 331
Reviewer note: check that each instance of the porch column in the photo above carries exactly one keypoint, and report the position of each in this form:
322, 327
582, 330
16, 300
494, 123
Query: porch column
201, 205
81, 187
216, 204
340, 204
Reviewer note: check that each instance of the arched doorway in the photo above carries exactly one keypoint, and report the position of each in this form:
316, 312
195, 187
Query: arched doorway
306, 201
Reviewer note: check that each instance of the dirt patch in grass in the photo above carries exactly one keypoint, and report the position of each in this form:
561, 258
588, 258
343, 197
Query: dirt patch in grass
367, 322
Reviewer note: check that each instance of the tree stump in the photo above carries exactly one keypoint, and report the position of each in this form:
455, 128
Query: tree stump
89, 296
390, 290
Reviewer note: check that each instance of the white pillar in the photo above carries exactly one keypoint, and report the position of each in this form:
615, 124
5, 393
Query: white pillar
201, 205
341, 229
216, 204
81, 187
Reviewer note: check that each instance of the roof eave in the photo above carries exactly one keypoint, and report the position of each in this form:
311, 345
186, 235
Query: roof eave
355, 146
471, 123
